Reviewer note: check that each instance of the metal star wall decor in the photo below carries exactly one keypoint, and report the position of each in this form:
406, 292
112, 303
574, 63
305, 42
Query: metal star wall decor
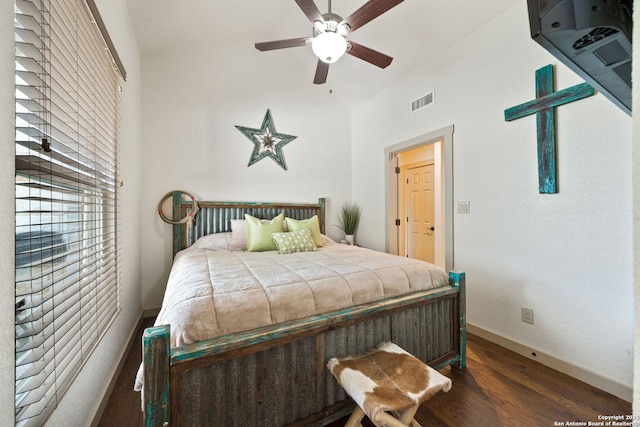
267, 141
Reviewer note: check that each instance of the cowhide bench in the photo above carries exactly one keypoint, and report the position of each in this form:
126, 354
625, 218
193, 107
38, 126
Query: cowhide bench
387, 381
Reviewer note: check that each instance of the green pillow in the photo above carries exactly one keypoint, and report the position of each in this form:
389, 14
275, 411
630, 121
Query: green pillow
312, 224
259, 233
294, 241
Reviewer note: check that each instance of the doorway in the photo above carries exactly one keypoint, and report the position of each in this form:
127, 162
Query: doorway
419, 198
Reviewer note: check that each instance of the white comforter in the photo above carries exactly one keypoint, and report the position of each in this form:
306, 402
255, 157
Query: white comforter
212, 292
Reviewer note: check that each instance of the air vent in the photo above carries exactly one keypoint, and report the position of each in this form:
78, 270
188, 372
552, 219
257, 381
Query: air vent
594, 36
422, 102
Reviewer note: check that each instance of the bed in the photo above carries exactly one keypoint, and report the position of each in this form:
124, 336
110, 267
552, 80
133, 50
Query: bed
248, 368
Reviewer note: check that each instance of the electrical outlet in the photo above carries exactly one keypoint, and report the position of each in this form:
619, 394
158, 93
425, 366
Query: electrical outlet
526, 314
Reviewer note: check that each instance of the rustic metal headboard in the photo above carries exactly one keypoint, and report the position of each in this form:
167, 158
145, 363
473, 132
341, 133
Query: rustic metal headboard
215, 217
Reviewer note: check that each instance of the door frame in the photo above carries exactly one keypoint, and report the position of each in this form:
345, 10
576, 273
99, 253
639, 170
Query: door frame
443, 156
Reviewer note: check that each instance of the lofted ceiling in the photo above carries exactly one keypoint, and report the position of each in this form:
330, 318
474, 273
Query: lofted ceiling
411, 33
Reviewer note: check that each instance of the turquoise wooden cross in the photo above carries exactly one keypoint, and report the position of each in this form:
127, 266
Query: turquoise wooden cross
545, 108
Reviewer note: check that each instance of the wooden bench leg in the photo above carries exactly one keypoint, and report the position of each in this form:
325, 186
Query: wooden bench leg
407, 415
355, 418
404, 419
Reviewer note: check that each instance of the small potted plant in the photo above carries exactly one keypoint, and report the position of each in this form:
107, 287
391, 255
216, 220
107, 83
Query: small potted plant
349, 219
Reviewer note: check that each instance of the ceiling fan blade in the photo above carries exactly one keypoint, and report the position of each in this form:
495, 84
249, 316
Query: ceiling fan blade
369, 11
321, 73
281, 44
371, 56
311, 10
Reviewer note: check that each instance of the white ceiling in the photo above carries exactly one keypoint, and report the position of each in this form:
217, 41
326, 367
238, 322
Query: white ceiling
411, 32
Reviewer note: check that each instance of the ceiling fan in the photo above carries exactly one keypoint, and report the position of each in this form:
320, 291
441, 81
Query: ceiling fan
329, 41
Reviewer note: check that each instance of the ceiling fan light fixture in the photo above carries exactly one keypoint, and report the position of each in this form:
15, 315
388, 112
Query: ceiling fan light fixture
329, 46
343, 29
329, 35
319, 27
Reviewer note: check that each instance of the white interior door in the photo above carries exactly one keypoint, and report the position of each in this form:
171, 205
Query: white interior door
412, 153
421, 213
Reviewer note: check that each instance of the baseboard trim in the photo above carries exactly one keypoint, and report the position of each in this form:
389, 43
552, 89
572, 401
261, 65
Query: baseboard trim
105, 398
584, 375
151, 312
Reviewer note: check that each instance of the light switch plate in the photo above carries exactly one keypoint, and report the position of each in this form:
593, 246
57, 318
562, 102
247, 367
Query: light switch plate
526, 314
464, 207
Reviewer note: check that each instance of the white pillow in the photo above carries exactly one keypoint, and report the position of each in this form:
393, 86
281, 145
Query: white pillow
239, 235
216, 242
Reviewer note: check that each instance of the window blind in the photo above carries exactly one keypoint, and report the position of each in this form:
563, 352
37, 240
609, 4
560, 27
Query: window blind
67, 262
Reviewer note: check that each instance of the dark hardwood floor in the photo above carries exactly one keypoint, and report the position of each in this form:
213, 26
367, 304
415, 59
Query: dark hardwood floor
123, 407
498, 388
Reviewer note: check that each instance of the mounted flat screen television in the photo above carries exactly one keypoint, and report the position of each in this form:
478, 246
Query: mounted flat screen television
591, 37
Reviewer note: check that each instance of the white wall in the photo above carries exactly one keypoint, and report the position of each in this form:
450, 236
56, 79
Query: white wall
192, 99
569, 255
80, 403
7, 215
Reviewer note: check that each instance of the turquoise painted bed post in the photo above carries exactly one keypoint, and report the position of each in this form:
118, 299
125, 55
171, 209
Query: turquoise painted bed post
458, 279
156, 357
323, 207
